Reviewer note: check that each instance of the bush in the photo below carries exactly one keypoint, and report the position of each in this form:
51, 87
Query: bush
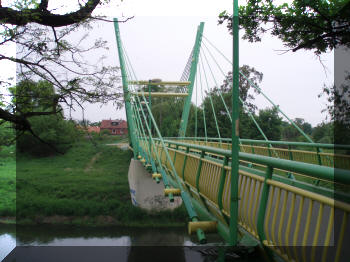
58, 134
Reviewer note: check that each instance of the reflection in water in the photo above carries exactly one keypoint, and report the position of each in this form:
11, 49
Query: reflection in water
7, 243
62, 243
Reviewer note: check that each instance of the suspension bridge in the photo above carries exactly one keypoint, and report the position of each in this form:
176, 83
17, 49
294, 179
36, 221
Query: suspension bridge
291, 198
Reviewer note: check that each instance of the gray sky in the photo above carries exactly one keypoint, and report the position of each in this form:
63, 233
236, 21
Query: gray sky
159, 46
160, 37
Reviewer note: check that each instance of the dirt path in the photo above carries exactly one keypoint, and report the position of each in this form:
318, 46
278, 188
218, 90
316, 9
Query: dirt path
92, 161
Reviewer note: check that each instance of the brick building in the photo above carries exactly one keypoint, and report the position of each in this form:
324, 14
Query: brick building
115, 127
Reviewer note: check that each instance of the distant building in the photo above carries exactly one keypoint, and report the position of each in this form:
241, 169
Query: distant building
115, 127
88, 129
95, 129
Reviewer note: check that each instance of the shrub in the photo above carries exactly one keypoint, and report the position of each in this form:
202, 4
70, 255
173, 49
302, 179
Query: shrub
58, 134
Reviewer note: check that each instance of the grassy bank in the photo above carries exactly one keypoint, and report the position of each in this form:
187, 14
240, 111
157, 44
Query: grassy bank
7, 182
86, 186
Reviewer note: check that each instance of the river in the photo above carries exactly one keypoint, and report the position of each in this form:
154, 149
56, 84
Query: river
55, 243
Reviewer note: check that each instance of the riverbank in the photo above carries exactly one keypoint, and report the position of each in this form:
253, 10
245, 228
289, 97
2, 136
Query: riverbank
86, 186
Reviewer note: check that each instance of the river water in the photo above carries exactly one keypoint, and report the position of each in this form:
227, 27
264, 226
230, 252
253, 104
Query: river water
55, 243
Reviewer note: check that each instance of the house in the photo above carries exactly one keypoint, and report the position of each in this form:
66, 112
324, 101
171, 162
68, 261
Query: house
115, 127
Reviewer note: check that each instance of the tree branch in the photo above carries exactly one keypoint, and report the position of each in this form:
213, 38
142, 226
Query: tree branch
44, 17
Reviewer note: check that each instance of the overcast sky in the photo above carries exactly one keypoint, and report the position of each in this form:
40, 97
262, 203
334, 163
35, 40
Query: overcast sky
161, 35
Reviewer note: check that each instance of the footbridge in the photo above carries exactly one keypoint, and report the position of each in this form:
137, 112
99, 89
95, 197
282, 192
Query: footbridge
290, 198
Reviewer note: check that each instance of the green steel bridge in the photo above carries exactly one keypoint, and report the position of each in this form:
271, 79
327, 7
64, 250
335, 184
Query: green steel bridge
291, 198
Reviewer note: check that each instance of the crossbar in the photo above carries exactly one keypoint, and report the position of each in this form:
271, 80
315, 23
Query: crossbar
162, 83
159, 94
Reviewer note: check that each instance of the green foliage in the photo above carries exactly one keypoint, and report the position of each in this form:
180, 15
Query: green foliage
57, 133
75, 186
8, 181
168, 111
270, 123
105, 132
290, 133
302, 24
323, 133
51, 133
31, 96
7, 134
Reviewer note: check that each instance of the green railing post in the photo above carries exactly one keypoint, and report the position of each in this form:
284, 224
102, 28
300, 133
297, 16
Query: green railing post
199, 170
222, 182
263, 204
235, 130
184, 165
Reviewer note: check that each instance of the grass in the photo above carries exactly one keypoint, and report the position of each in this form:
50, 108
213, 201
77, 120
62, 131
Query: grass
8, 181
73, 189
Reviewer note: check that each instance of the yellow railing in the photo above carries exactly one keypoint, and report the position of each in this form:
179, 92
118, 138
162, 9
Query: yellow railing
299, 225
312, 157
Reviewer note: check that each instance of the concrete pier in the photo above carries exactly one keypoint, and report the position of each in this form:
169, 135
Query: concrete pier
145, 192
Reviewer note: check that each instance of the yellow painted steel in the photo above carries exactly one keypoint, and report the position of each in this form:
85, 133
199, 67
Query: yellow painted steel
159, 94
277, 217
256, 206
162, 83
275, 214
307, 228
174, 191
328, 235
284, 206
206, 226
317, 232
268, 212
311, 157
323, 199
289, 223
252, 200
245, 219
297, 227
156, 175
341, 237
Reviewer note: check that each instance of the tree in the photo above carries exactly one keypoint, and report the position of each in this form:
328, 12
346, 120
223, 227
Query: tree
270, 123
323, 133
338, 108
44, 51
289, 132
247, 126
315, 25
49, 133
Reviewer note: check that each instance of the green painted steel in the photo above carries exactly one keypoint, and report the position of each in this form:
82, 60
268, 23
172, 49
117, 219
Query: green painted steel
316, 171
235, 129
192, 77
263, 204
243, 140
220, 202
131, 129
222, 182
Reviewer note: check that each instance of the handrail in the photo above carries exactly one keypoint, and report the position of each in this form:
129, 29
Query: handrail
316, 171
306, 144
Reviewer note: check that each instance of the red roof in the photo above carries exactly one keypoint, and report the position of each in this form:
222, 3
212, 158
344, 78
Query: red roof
108, 124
